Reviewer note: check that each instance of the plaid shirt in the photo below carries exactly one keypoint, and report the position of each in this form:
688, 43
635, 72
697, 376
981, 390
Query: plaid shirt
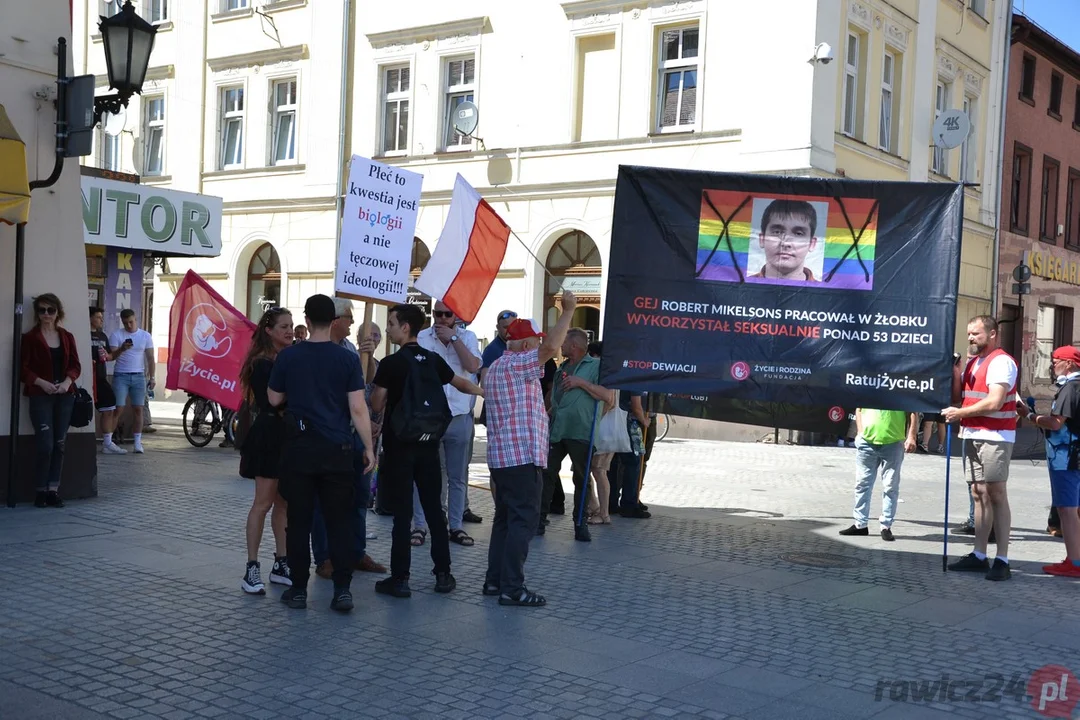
516, 419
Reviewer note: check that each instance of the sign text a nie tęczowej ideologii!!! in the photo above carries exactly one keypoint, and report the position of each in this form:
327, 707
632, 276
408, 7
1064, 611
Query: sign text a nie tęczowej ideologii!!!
381, 204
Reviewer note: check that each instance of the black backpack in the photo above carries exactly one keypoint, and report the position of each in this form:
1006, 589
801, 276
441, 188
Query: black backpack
422, 415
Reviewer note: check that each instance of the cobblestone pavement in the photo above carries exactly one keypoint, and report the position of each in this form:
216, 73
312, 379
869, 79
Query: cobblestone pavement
129, 606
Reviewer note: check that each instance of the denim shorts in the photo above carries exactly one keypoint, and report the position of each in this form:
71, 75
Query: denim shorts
129, 384
1065, 488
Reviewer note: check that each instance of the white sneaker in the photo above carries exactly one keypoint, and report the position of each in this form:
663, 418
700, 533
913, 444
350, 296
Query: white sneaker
113, 449
138, 448
371, 536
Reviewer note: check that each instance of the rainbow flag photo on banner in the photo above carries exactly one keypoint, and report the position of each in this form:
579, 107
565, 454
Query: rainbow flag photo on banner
787, 240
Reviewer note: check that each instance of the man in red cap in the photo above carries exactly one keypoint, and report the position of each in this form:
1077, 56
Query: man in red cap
987, 417
518, 451
1062, 429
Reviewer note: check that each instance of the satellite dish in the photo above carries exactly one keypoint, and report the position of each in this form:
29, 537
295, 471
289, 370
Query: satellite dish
951, 129
466, 118
114, 124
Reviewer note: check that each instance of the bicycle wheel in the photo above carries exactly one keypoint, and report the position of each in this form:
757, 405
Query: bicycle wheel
198, 421
663, 425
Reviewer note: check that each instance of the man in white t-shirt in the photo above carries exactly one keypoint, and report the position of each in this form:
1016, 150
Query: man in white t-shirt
134, 369
461, 351
987, 415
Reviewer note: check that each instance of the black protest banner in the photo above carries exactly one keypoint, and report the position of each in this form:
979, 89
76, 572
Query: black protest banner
833, 420
806, 291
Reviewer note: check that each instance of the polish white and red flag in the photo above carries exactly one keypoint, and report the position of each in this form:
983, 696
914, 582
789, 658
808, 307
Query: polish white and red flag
467, 258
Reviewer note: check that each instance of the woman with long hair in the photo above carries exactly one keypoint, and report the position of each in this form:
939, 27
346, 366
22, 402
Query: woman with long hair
50, 365
260, 452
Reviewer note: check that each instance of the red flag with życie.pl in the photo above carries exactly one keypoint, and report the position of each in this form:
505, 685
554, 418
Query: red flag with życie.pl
208, 341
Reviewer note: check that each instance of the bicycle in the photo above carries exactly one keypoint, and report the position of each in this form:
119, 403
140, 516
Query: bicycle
663, 425
205, 418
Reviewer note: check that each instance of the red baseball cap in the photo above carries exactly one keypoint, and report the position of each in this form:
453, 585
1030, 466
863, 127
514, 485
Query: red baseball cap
523, 328
1067, 352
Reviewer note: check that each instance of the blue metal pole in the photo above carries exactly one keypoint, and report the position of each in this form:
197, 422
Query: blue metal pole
588, 466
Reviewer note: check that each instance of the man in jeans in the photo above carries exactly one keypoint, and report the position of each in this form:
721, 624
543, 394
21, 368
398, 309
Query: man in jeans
460, 349
517, 452
133, 372
573, 409
323, 389
881, 441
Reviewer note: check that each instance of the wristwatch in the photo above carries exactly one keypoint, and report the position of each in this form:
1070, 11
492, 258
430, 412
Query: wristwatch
1032, 416
453, 338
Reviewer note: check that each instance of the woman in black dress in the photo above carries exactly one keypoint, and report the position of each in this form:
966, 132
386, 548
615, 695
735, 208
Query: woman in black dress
260, 454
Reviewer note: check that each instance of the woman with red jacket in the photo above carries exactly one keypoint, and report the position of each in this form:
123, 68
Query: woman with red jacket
50, 365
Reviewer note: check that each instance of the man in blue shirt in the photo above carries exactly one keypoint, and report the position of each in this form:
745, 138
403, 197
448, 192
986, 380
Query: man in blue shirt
321, 387
1062, 429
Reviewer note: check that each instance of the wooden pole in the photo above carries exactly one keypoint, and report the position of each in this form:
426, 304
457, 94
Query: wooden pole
366, 360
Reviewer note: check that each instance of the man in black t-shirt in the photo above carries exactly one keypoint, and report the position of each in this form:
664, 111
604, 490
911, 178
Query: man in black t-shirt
101, 353
406, 463
322, 388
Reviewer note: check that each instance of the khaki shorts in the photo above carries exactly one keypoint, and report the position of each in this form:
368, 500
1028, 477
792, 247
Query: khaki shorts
987, 460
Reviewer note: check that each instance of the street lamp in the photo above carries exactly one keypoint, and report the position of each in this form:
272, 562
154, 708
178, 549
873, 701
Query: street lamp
128, 41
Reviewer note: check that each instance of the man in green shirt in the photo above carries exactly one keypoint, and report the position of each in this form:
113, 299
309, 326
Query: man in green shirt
573, 408
883, 438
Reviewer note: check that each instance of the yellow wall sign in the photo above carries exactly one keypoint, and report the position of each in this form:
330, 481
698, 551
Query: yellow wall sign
1050, 267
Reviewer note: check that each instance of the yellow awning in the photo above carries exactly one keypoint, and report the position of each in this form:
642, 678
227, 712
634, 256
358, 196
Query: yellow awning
14, 187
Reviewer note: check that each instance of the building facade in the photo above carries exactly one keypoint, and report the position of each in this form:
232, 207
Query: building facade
1040, 222
569, 91
54, 260
243, 102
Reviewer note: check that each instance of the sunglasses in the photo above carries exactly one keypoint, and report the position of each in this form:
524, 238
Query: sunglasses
443, 313
46, 310
505, 314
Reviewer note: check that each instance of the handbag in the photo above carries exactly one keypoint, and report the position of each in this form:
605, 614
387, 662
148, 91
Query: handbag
82, 412
245, 418
611, 433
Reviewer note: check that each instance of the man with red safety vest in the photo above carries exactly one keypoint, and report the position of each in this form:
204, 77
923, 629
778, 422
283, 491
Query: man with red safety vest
986, 391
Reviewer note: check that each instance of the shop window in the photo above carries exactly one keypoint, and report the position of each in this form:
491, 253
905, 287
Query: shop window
574, 264
1053, 329
264, 282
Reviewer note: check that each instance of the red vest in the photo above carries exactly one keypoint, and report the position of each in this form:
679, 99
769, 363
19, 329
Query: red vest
976, 389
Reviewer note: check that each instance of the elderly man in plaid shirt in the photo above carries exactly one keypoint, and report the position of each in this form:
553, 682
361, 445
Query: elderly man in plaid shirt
518, 451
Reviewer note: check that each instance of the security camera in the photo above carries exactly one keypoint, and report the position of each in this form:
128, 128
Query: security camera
823, 54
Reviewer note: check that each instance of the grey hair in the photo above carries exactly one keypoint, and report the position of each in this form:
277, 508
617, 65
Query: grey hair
579, 337
342, 306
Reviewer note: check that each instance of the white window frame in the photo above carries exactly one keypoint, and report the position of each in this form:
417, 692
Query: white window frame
226, 117
234, 5
683, 65
108, 150
888, 102
399, 97
849, 116
452, 92
152, 125
978, 7
156, 11
278, 113
108, 8
940, 156
968, 150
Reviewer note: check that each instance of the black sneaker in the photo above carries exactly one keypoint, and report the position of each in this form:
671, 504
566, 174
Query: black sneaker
886, 535
342, 601
853, 530
295, 597
581, 532
557, 510
52, 499
970, 563
252, 582
444, 582
470, 517
395, 587
541, 527
999, 570
964, 529
636, 513
280, 573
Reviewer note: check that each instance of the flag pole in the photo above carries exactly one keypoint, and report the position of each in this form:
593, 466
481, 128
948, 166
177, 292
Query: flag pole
366, 357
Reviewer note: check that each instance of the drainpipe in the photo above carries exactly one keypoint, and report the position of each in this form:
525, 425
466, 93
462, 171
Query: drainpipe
20, 257
338, 197
1001, 173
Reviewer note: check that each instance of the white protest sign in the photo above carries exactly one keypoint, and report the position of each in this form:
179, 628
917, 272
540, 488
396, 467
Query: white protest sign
381, 204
